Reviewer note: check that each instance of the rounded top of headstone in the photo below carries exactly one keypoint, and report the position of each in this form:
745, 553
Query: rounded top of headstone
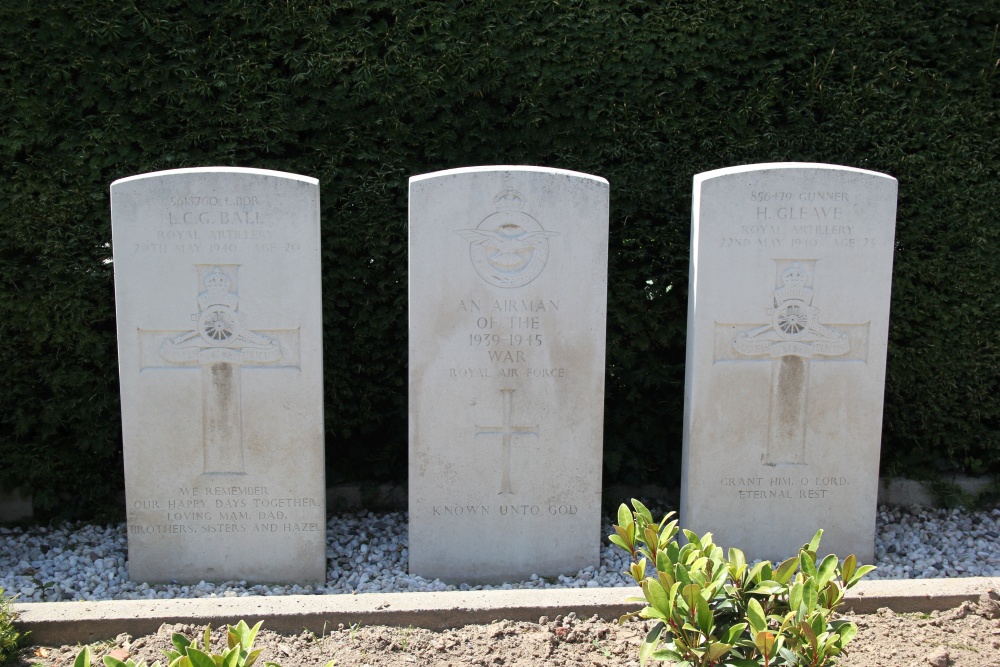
507, 168
768, 166
194, 171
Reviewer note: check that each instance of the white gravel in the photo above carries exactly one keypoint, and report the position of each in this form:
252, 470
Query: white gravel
367, 553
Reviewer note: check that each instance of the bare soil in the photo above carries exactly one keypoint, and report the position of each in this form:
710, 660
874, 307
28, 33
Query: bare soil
967, 636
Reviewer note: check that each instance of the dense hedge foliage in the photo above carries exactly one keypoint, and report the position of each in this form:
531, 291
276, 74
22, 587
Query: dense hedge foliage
363, 94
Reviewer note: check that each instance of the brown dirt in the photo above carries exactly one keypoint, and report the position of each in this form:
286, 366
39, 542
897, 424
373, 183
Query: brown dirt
967, 636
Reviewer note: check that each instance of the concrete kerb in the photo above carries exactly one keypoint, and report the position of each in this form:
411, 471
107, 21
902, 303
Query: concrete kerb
54, 623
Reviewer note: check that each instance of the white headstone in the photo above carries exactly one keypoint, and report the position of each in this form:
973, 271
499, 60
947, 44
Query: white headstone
788, 312
217, 289
508, 295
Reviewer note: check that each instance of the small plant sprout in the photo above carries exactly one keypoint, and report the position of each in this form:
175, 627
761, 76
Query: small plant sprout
186, 653
604, 650
713, 609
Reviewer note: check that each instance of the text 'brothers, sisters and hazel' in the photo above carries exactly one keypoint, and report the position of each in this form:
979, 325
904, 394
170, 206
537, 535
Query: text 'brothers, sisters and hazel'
797, 221
216, 225
797, 487
225, 509
507, 331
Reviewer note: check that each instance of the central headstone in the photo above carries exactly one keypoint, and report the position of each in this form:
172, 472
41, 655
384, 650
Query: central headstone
217, 290
791, 268
508, 294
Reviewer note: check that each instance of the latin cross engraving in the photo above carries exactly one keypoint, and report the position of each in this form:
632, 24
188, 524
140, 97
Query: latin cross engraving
220, 345
506, 431
792, 340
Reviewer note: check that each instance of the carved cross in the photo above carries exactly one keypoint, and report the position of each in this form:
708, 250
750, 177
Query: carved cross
792, 341
506, 431
220, 345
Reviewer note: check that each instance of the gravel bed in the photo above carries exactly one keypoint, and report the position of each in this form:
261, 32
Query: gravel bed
367, 553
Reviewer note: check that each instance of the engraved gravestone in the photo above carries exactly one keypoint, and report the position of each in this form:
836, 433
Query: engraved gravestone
788, 313
217, 290
508, 292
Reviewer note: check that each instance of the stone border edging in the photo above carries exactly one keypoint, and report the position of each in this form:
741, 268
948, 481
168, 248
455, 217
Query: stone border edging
85, 622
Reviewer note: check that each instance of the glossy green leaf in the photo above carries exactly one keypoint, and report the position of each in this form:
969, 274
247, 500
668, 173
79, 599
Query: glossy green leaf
755, 572
809, 634
638, 570
663, 563
764, 641
627, 535
252, 657
691, 594
795, 598
785, 571
668, 530
859, 573
199, 658
649, 643
82, 658
809, 595
669, 654
716, 650
618, 541
814, 542
666, 579
847, 569
767, 588
807, 563
733, 633
846, 630
826, 570
704, 617
624, 516
756, 616
651, 538
656, 596
642, 511
692, 538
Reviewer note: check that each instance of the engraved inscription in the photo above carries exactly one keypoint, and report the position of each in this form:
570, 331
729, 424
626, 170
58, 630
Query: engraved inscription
223, 509
503, 510
507, 330
506, 431
784, 488
508, 248
211, 224
797, 221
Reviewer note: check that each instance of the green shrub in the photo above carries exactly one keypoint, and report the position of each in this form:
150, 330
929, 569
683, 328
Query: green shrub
714, 609
11, 639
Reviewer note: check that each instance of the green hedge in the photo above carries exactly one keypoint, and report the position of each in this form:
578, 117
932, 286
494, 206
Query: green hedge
364, 94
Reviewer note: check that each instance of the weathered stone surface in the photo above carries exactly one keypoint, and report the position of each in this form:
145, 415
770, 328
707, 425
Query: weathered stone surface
791, 267
217, 289
508, 291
